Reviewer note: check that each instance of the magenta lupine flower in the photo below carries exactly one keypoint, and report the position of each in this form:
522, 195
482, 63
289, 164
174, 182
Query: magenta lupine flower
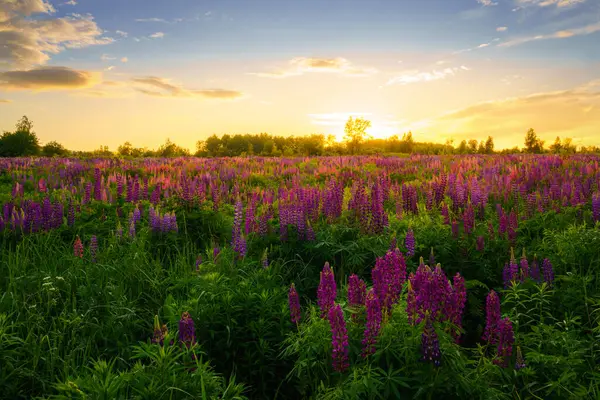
491, 332
78, 248
520, 361
506, 338
446, 214
187, 330
469, 219
430, 344
548, 271
93, 248
511, 270
198, 262
389, 275
535, 269
327, 290
357, 291
430, 294
480, 243
596, 206
339, 339
294, 304
409, 243
373, 324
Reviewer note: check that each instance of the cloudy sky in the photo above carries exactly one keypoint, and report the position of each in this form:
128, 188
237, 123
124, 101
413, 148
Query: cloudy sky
91, 72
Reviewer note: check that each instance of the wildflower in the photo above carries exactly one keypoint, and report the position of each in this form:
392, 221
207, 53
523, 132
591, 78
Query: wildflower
373, 324
265, 259
216, 251
389, 274
339, 338
327, 290
520, 361
160, 333
294, 303
596, 206
409, 243
480, 243
198, 262
78, 248
430, 344
459, 300
491, 332
357, 290
187, 330
93, 248
535, 269
548, 271
506, 338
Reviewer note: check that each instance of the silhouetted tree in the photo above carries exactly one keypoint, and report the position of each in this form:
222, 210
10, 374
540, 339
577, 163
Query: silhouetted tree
53, 148
356, 132
533, 144
489, 145
22, 142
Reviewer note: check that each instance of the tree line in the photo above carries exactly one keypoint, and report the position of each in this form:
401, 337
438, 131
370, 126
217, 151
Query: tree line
23, 142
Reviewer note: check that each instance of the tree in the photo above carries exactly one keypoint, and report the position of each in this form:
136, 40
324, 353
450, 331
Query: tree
53, 148
355, 131
556, 147
462, 147
22, 142
481, 148
533, 144
489, 145
472, 146
407, 144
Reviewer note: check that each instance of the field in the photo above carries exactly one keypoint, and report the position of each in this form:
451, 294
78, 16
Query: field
435, 277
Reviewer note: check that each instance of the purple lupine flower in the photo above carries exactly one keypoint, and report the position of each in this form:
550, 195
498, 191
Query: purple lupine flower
446, 214
160, 332
198, 262
71, 214
548, 271
491, 332
469, 219
78, 248
520, 361
511, 270
357, 291
409, 243
93, 248
339, 338
430, 344
294, 304
327, 290
480, 244
388, 275
506, 338
187, 330
596, 206
373, 324
216, 251
459, 301
535, 269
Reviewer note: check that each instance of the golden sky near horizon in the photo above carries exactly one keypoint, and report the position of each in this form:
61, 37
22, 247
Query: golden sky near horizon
91, 74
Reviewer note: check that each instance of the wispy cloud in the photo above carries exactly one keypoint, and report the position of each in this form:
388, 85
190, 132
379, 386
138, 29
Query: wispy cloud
47, 78
546, 3
151, 20
122, 33
106, 57
508, 119
168, 89
501, 29
302, 65
416, 76
487, 3
480, 46
157, 35
584, 30
5, 101
70, 3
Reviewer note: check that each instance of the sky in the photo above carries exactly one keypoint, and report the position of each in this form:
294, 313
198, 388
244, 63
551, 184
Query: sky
102, 72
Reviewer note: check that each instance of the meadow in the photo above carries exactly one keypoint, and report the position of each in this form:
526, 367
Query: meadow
343, 277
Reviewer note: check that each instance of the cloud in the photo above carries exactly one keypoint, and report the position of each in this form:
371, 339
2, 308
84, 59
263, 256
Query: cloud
416, 76
571, 113
151, 20
122, 33
106, 57
69, 3
168, 89
110, 68
302, 65
501, 29
480, 46
487, 3
47, 78
124, 59
25, 41
5, 101
158, 35
562, 34
546, 3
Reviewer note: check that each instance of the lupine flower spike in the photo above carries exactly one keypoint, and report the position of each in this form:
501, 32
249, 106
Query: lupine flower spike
294, 304
187, 330
339, 338
78, 248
